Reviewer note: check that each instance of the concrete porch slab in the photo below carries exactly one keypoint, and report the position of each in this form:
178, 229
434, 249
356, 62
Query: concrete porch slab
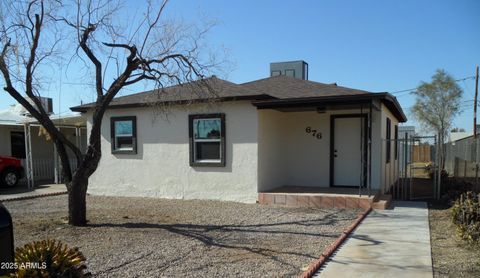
319, 197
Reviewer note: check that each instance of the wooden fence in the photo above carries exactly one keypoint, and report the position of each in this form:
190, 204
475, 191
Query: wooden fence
422, 153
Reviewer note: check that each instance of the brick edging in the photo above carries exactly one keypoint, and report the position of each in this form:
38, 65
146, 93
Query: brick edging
34, 196
315, 265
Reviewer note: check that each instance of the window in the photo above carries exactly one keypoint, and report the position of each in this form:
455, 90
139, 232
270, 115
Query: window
124, 134
290, 72
17, 142
207, 140
275, 73
388, 137
396, 142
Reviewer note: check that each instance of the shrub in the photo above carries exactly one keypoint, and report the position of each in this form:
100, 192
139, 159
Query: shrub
466, 216
49, 258
452, 188
431, 172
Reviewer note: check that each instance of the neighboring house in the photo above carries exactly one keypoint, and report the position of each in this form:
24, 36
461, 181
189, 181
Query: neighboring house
254, 137
461, 156
458, 135
406, 131
21, 137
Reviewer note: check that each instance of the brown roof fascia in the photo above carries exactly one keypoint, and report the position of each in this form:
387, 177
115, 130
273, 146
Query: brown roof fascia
84, 108
388, 99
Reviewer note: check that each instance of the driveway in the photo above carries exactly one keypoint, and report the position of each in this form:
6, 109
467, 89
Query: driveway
21, 191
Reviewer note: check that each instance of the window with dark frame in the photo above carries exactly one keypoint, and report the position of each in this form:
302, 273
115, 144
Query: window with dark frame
388, 138
207, 140
396, 142
124, 135
290, 72
275, 73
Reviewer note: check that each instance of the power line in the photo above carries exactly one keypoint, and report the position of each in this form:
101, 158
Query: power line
413, 89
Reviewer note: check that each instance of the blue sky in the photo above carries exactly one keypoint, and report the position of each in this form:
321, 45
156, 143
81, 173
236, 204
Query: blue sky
371, 45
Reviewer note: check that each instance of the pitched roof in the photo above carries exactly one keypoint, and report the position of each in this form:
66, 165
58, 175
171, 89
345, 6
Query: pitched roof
13, 115
284, 87
207, 89
274, 89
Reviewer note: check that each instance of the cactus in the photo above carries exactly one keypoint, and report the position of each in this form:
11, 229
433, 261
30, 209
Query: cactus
49, 258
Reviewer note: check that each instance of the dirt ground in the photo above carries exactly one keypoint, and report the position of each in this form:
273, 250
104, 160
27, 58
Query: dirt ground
451, 256
146, 237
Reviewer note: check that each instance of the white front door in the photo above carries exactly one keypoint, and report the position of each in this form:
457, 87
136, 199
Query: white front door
347, 151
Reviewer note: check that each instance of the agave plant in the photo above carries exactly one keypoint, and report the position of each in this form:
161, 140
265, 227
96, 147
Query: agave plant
49, 258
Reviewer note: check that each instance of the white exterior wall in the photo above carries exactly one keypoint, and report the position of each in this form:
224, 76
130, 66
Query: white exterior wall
161, 166
41, 148
389, 171
290, 156
272, 165
264, 149
5, 148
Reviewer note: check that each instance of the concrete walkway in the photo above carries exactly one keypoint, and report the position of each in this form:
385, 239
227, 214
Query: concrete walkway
389, 243
21, 191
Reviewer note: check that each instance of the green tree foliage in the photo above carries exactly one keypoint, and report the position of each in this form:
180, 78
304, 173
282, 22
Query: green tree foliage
437, 104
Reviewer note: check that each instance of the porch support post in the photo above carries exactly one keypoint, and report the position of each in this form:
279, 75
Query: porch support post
369, 152
411, 161
362, 158
28, 156
55, 165
78, 134
438, 178
405, 167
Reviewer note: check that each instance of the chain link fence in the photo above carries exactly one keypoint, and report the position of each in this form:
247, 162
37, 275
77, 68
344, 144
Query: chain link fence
462, 160
412, 172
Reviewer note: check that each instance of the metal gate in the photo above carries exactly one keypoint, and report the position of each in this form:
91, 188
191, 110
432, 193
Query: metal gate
412, 172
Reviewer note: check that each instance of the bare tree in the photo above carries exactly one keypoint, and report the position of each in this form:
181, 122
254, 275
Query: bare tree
158, 50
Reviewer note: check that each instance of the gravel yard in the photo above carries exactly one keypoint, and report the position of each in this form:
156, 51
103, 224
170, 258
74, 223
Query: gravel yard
451, 256
143, 237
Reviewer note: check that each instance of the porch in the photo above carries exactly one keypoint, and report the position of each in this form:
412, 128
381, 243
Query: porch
330, 149
46, 168
22, 137
324, 197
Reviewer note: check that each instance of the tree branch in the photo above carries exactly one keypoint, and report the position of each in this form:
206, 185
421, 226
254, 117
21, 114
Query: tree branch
98, 66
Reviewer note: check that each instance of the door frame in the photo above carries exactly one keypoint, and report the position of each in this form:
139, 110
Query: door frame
332, 146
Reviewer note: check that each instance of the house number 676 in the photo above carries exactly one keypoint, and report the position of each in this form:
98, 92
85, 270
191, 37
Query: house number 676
314, 132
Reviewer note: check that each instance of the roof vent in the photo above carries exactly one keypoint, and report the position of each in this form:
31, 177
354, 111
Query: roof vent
297, 69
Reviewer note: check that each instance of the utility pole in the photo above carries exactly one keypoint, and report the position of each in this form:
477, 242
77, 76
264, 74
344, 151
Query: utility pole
475, 107
475, 129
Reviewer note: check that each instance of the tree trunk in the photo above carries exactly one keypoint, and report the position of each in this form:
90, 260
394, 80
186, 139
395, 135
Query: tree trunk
77, 202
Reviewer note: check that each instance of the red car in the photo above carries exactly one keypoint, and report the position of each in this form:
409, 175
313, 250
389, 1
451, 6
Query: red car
11, 170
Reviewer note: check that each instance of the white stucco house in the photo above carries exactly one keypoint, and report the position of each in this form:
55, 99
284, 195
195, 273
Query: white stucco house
245, 139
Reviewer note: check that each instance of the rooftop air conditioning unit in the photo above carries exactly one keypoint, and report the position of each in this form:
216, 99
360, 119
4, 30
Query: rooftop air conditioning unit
297, 69
46, 102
